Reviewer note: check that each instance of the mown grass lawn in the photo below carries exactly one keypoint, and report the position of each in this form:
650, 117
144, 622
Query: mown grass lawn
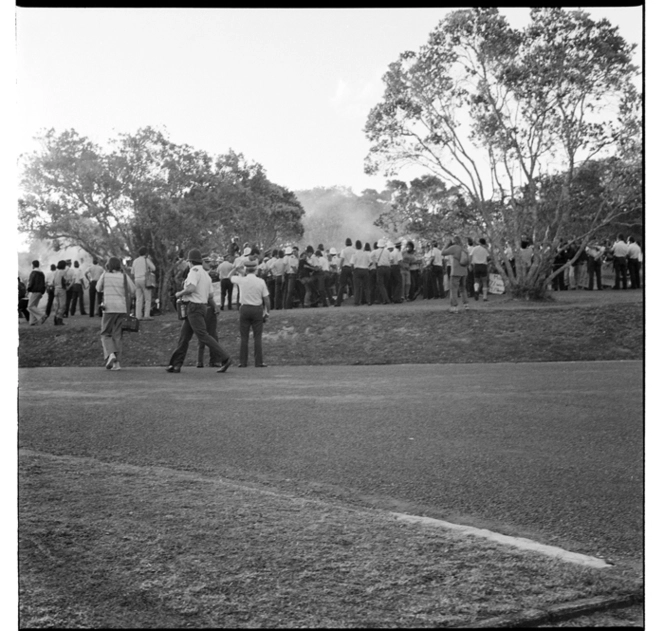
115, 545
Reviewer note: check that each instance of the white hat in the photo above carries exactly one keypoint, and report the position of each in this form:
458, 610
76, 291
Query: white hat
333, 251
247, 252
288, 250
389, 244
381, 243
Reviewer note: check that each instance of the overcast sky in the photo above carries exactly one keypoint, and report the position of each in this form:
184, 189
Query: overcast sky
288, 88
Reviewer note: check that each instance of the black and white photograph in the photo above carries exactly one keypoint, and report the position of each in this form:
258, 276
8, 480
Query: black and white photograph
330, 318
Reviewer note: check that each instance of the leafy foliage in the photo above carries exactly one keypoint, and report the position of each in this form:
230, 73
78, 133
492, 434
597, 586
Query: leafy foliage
426, 208
494, 110
147, 190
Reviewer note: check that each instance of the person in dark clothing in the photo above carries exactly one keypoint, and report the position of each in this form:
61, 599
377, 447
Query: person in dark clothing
36, 289
50, 289
23, 300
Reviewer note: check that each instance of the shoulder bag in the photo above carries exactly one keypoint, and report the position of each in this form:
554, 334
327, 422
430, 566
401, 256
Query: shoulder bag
130, 323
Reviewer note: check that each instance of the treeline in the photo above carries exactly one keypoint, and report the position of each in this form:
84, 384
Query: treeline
143, 189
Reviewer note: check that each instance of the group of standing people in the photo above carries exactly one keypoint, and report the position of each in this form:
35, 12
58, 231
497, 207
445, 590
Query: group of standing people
385, 273
624, 257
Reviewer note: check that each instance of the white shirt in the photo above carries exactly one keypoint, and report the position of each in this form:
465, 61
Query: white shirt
619, 248
634, 251
252, 289
323, 263
140, 267
94, 272
361, 259
437, 256
347, 255
201, 280
224, 269
382, 257
479, 255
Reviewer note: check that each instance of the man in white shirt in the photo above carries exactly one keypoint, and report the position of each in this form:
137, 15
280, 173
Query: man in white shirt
345, 272
77, 289
93, 274
437, 271
396, 286
634, 263
140, 268
383, 262
197, 294
254, 307
290, 276
619, 250
479, 261
226, 287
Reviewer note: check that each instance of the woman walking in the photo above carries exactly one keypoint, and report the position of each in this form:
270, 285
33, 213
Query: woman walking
117, 289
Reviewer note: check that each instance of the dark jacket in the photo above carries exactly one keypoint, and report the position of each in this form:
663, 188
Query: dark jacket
37, 282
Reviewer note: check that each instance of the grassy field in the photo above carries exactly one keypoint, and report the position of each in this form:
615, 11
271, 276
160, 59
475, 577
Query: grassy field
115, 545
577, 326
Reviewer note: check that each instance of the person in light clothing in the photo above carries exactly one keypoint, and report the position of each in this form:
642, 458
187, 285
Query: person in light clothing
226, 287
619, 250
140, 268
93, 274
458, 276
479, 261
114, 284
197, 294
254, 304
634, 263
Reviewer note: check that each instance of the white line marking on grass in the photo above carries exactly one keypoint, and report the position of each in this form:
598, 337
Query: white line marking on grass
517, 542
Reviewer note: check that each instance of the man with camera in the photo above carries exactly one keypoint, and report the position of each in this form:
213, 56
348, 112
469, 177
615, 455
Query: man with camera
196, 296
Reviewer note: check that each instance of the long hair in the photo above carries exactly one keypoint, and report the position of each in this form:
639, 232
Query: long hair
114, 264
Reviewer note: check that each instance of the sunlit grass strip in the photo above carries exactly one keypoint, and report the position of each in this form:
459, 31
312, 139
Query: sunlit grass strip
516, 542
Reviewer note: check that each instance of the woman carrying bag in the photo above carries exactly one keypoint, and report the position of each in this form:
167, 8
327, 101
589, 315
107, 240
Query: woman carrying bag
117, 289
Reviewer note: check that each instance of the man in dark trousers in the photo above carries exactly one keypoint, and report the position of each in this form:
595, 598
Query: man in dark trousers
196, 294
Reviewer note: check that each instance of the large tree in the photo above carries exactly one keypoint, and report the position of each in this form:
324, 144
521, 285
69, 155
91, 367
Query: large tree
146, 190
426, 208
492, 110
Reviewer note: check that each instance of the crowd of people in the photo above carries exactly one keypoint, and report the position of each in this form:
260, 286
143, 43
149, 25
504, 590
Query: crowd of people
387, 272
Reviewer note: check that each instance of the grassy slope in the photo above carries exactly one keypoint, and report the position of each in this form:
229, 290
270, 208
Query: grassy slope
422, 333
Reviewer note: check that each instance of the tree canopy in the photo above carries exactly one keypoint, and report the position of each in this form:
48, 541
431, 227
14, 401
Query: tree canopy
493, 111
146, 190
